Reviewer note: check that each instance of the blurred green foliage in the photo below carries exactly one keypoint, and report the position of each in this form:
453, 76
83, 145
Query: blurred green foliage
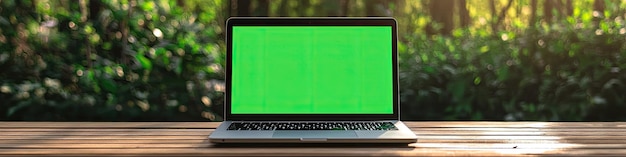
161, 60
568, 74
109, 61
567, 70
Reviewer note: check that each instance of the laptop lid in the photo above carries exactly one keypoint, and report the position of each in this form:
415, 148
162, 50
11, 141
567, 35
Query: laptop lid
311, 69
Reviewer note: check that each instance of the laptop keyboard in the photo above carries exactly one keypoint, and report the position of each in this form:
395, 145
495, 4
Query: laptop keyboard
312, 126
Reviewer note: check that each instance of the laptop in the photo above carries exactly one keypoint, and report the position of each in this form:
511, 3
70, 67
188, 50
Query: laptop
311, 80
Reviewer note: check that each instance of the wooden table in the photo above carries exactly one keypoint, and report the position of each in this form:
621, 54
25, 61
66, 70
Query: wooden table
435, 139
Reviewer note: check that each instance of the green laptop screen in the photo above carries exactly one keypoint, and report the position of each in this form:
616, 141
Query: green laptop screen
312, 70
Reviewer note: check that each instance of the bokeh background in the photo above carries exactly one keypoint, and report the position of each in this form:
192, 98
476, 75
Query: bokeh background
162, 60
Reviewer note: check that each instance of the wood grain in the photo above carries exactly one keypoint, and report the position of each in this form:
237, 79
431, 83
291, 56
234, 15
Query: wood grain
190, 139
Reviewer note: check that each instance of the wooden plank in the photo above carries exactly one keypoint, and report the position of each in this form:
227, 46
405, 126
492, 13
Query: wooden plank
240, 151
458, 131
104, 145
471, 124
417, 130
98, 133
454, 131
190, 139
438, 137
529, 141
165, 141
245, 151
523, 137
421, 140
416, 145
206, 132
147, 125
100, 130
56, 137
608, 129
209, 125
494, 129
102, 141
518, 145
315, 152
520, 133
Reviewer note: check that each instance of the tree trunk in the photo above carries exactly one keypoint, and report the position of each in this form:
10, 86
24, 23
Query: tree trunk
569, 6
533, 13
180, 3
95, 7
370, 8
330, 8
230, 8
374, 8
441, 15
598, 5
282, 8
559, 8
620, 10
262, 8
501, 17
547, 11
345, 8
303, 6
463, 13
243, 8
227, 9
492, 8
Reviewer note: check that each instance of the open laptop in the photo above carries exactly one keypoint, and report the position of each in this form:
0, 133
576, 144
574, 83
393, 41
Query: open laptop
311, 80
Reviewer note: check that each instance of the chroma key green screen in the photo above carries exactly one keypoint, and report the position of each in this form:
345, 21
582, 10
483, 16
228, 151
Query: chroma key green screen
312, 70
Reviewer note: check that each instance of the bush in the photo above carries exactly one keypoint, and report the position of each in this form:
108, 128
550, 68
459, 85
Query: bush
564, 73
152, 62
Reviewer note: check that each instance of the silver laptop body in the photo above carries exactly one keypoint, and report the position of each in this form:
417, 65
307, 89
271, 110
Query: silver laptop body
262, 107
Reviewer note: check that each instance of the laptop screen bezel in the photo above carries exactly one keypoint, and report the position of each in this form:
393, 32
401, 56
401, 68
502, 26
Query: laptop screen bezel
309, 21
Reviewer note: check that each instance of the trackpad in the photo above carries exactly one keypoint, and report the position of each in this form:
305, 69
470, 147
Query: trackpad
314, 133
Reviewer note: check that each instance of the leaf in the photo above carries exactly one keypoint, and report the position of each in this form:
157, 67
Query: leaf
429, 69
450, 69
457, 89
401, 48
477, 116
4, 21
477, 80
179, 68
16, 108
611, 84
109, 85
457, 33
503, 73
145, 62
148, 6
484, 49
